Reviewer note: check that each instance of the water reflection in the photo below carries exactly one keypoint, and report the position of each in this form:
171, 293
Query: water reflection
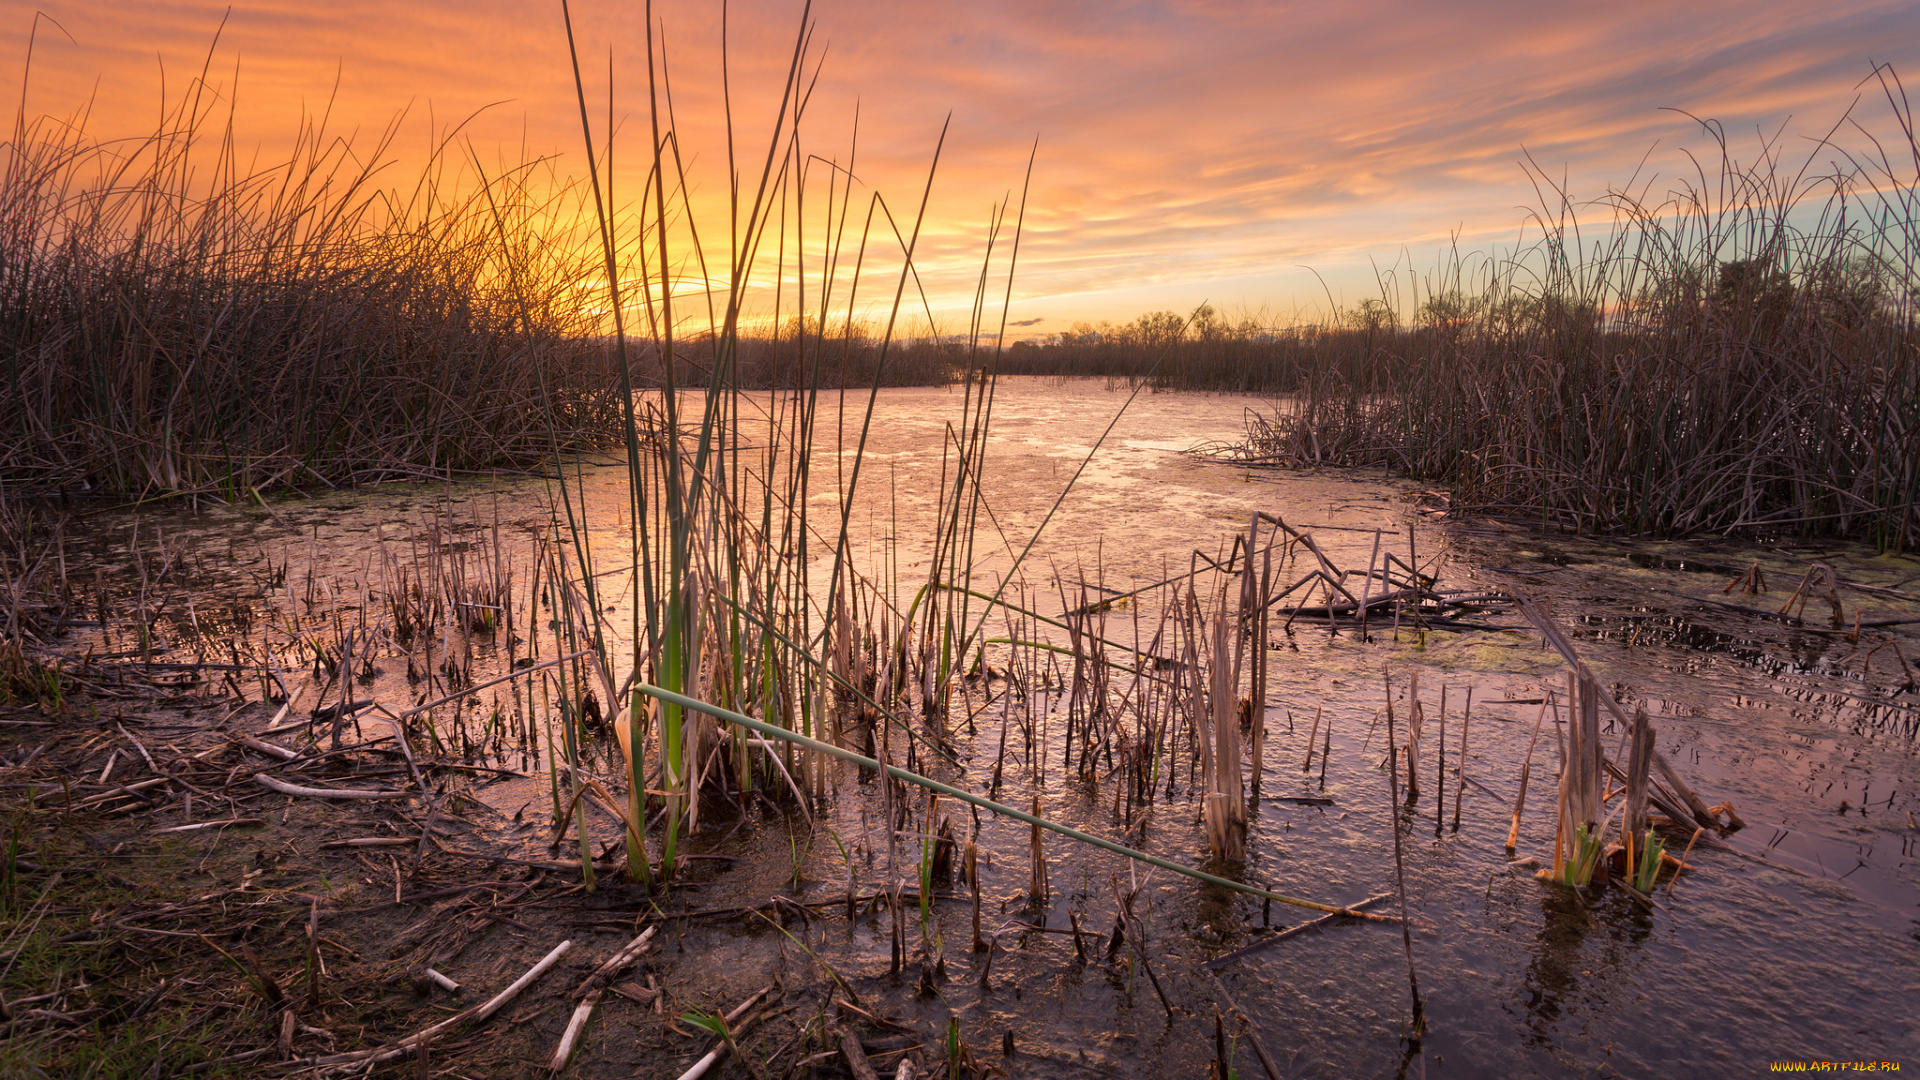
1520, 978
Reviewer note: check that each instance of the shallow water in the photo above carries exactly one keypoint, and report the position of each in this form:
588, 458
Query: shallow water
1802, 942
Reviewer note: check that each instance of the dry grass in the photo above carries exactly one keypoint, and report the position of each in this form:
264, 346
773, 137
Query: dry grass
1739, 354
171, 320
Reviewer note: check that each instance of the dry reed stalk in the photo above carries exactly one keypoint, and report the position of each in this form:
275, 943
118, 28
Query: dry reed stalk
1226, 805
590, 992
478, 1014
1037, 889
1639, 761
1399, 869
1440, 766
1672, 881
1561, 837
712, 1057
1326, 751
1415, 719
1699, 809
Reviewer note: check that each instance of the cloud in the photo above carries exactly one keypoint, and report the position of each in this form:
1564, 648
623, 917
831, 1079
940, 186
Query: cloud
1027, 322
1182, 144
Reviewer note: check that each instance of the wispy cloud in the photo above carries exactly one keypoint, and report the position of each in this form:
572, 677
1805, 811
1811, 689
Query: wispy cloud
1185, 146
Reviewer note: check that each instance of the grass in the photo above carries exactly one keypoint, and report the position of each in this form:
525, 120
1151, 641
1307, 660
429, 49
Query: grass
175, 318
172, 322
101, 1016
1735, 354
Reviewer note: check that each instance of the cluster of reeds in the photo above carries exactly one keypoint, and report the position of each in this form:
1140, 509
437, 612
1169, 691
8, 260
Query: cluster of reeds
176, 318
724, 527
763, 645
1736, 353
1583, 853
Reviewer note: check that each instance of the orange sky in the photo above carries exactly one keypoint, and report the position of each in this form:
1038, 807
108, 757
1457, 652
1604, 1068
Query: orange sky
1187, 150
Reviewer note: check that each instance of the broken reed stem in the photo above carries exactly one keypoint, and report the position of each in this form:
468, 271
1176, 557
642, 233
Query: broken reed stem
1672, 881
592, 990
477, 1014
1400, 870
1440, 766
1460, 791
1526, 766
1037, 889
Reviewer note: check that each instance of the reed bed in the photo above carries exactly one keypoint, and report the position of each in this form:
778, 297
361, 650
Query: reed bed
1737, 354
174, 319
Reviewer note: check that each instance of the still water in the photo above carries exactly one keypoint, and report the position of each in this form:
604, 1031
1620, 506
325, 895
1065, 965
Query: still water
1797, 938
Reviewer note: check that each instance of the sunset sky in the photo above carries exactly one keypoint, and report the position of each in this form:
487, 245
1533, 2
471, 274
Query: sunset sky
1188, 151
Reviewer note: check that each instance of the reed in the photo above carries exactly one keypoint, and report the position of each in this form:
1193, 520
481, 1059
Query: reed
178, 319
1737, 353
